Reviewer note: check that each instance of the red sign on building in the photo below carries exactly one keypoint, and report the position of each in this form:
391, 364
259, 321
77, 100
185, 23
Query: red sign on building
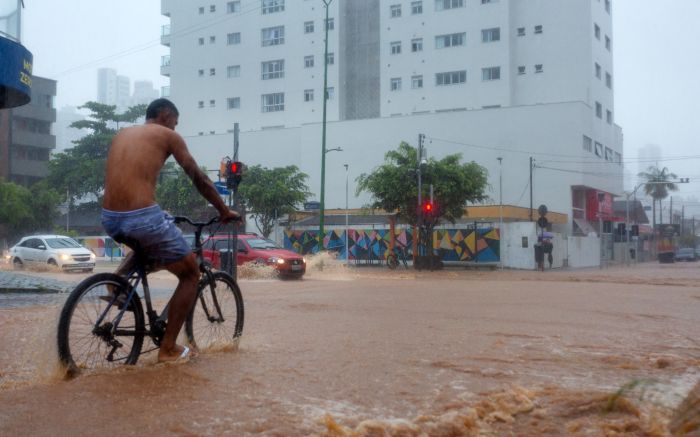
593, 205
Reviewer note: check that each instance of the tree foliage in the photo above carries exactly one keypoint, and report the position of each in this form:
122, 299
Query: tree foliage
658, 183
80, 170
272, 193
26, 210
176, 194
394, 185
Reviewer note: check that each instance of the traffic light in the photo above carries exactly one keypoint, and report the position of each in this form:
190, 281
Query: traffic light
428, 208
234, 174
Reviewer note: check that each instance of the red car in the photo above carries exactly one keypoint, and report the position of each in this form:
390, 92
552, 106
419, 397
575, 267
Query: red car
254, 248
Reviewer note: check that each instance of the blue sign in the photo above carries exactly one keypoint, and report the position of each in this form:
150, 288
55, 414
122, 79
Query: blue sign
15, 74
221, 188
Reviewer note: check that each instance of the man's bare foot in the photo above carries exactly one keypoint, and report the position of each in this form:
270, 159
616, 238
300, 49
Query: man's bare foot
178, 353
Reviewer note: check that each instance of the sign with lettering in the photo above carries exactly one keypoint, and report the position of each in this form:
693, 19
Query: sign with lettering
15, 74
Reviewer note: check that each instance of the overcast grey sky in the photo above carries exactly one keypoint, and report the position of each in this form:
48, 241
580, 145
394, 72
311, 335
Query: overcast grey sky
657, 61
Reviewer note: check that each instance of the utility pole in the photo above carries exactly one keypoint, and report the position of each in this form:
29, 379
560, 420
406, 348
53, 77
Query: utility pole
347, 249
531, 166
670, 212
421, 138
500, 211
322, 212
233, 204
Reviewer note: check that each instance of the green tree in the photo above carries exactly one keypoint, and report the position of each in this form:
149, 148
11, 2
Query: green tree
271, 193
394, 187
79, 171
26, 210
658, 183
176, 194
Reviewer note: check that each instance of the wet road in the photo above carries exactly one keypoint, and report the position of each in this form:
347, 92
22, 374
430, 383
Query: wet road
443, 353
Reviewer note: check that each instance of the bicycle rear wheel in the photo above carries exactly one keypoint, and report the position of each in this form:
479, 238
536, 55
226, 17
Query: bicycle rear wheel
391, 261
90, 333
216, 321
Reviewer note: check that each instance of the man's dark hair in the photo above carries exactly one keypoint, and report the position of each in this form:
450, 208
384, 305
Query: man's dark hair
159, 105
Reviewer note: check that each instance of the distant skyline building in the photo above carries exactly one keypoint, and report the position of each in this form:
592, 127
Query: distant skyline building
648, 156
489, 79
144, 92
65, 134
113, 89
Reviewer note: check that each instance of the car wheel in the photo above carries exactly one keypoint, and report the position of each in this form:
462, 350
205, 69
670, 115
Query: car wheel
52, 263
17, 264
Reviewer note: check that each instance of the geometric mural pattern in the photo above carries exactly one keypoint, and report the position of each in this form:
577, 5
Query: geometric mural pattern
103, 246
481, 245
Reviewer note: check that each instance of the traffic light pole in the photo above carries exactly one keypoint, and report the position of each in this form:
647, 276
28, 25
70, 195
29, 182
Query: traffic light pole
322, 205
233, 204
419, 227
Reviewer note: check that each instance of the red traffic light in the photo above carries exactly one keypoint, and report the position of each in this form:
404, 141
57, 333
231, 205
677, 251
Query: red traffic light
236, 167
427, 207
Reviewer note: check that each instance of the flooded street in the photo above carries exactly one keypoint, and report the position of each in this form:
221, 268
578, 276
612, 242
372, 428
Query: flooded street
375, 352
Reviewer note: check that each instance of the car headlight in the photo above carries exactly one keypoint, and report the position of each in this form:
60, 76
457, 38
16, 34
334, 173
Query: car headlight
303, 260
274, 259
92, 255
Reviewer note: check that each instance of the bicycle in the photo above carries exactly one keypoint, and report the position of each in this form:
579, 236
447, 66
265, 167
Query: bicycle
398, 254
102, 323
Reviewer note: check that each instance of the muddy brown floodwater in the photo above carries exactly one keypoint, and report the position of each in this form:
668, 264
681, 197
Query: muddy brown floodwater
370, 352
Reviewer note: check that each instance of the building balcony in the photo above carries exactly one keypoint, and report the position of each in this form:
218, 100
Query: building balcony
165, 7
26, 167
165, 91
26, 138
165, 35
35, 112
165, 65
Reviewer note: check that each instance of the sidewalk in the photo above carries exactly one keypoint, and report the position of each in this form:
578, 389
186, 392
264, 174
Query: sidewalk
12, 282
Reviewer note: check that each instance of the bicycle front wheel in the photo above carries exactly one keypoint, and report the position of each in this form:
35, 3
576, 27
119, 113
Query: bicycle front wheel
216, 321
91, 333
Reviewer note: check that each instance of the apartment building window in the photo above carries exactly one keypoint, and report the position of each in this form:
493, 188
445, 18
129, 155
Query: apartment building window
212, 39
212, 72
416, 82
608, 80
273, 102
417, 45
395, 84
200, 72
330, 93
598, 149
451, 40
539, 68
330, 24
395, 11
308, 61
598, 110
273, 69
396, 48
451, 78
596, 31
233, 71
597, 70
491, 35
491, 73
609, 154
618, 158
233, 38
607, 6
607, 42
201, 10
200, 104
233, 103
441, 5
212, 103
587, 144
330, 59
272, 6
233, 7
521, 70
608, 117
538, 28
272, 36
521, 31
416, 7
309, 27
308, 95
201, 41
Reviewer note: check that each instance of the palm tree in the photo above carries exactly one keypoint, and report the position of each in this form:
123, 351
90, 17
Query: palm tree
658, 184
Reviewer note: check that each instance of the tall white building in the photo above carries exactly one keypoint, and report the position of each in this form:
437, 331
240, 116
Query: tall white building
113, 89
486, 78
144, 92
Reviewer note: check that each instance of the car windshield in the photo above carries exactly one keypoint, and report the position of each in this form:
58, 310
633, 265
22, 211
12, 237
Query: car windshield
262, 243
62, 243
686, 251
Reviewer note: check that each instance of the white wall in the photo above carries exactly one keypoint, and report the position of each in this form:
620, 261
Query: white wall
583, 251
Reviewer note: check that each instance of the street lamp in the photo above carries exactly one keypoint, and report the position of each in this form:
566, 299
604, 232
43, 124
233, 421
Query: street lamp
500, 210
326, 3
347, 249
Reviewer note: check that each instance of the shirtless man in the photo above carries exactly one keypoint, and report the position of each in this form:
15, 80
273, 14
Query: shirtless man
130, 214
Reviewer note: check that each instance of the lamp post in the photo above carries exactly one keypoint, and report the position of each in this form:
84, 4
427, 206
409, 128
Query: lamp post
326, 3
500, 211
347, 249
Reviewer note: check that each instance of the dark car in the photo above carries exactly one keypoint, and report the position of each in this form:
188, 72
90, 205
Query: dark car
257, 249
686, 254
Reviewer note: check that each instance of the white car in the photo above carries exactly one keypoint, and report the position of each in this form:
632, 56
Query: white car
55, 250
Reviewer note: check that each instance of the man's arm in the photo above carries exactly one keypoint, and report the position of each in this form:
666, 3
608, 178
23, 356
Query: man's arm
200, 180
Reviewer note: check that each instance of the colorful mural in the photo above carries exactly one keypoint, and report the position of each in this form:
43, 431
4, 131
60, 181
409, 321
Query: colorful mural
103, 247
481, 245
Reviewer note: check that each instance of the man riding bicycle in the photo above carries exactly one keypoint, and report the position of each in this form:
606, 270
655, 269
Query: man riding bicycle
130, 214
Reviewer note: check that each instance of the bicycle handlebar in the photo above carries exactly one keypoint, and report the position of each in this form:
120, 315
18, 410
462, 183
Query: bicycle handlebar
183, 219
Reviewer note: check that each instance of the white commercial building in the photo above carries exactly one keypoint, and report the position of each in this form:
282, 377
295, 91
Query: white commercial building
113, 89
486, 78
